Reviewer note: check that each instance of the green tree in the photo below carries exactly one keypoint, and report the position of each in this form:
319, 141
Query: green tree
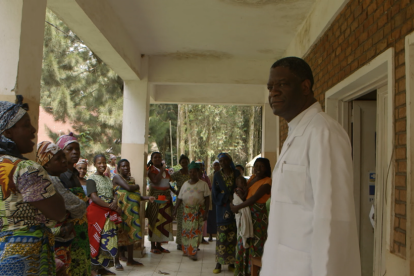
77, 86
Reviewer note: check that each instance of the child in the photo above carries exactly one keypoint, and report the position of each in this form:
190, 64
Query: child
243, 217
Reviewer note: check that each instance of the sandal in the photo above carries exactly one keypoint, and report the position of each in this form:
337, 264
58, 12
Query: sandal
155, 251
163, 250
119, 267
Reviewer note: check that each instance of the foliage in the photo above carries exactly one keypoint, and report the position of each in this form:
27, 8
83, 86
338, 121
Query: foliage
77, 86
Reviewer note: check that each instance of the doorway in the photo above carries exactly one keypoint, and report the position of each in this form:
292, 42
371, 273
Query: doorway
363, 138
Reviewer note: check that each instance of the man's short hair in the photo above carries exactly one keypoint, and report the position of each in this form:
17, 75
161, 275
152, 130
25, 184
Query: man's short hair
298, 66
240, 166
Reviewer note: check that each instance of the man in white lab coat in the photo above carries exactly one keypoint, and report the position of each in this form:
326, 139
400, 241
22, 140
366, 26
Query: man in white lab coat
312, 226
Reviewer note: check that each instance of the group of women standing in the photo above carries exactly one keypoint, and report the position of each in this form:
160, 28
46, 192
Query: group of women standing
50, 222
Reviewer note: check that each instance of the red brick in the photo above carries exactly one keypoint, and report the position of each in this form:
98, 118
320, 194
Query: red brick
403, 197
400, 45
357, 11
379, 11
382, 20
367, 44
373, 29
403, 224
400, 125
402, 139
402, 112
400, 209
404, 3
396, 221
400, 153
399, 237
400, 72
401, 84
368, 22
366, 3
406, 28
372, 8
400, 99
387, 29
362, 17
402, 166
394, 10
381, 46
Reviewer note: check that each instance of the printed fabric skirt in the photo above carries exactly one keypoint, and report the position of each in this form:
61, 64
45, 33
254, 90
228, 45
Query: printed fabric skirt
102, 231
256, 244
159, 217
27, 252
63, 253
80, 251
129, 231
226, 243
192, 233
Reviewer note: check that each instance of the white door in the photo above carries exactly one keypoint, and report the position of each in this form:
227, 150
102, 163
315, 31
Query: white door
364, 157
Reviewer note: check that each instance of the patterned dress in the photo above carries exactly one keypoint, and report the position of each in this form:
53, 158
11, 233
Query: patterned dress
26, 242
260, 222
108, 242
77, 262
193, 197
80, 250
129, 231
159, 215
179, 178
223, 187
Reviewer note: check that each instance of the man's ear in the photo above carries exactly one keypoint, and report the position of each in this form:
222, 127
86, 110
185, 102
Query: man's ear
306, 87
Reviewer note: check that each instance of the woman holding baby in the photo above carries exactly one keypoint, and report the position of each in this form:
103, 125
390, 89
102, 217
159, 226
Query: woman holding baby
254, 197
222, 193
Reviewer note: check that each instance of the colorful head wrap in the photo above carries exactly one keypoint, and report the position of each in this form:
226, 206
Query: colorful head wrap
194, 165
45, 151
225, 154
82, 161
111, 156
11, 113
65, 140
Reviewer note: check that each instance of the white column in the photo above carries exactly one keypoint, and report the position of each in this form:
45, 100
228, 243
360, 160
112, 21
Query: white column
21, 52
135, 133
270, 135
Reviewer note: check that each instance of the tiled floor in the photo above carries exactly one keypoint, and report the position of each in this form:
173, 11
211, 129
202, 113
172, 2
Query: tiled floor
175, 264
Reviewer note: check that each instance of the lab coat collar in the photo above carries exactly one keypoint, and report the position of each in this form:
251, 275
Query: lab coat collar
299, 124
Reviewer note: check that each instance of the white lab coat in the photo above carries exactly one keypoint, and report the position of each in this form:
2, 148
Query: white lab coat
312, 225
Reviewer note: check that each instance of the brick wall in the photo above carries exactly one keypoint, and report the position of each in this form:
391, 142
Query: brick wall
363, 30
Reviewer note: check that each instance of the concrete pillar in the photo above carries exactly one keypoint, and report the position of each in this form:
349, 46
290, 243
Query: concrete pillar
21, 52
135, 133
270, 136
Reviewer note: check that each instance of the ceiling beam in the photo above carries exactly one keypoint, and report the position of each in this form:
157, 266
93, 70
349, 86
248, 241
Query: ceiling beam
100, 29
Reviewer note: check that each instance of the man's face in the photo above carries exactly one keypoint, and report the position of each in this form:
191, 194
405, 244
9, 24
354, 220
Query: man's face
287, 93
216, 166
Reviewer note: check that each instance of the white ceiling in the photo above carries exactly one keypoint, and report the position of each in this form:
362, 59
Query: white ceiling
213, 29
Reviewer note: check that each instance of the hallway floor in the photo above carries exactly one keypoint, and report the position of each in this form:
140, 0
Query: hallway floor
174, 263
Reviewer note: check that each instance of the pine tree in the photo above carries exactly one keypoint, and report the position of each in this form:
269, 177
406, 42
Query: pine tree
77, 86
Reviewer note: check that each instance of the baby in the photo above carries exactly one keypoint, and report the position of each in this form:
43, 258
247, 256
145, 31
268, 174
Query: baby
241, 187
243, 216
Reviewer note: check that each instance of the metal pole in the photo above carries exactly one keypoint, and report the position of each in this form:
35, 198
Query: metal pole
172, 156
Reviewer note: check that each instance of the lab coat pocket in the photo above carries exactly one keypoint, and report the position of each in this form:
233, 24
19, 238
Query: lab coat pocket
291, 262
293, 181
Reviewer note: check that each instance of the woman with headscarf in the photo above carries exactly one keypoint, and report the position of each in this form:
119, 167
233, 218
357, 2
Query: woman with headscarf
129, 201
82, 167
222, 192
180, 177
29, 203
111, 168
103, 215
80, 249
53, 160
211, 220
259, 187
159, 214
195, 196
